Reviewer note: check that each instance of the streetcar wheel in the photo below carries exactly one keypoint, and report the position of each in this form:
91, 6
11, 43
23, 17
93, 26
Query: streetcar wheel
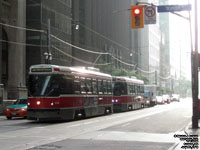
129, 107
9, 118
79, 114
107, 111
142, 106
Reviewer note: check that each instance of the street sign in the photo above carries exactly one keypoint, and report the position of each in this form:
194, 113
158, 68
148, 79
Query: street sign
173, 8
149, 15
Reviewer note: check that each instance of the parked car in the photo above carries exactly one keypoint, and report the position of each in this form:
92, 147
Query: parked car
175, 97
160, 100
166, 99
18, 109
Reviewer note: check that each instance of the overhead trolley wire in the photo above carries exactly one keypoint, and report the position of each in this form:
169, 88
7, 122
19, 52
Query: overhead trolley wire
80, 60
12, 26
100, 53
89, 51
17, 43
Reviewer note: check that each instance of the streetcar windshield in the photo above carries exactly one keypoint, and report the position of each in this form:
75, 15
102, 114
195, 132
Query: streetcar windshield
50, 85
120, 88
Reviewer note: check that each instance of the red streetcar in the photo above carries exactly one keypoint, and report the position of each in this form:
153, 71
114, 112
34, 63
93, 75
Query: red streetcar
128, 94
64, 93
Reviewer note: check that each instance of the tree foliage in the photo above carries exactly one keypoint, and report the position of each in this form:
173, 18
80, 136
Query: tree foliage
122, 72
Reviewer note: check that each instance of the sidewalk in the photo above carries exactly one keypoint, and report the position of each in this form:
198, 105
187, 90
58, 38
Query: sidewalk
189, 139
2, 117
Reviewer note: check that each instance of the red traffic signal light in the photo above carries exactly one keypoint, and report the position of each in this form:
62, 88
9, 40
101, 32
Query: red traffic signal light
137, 15
136, 11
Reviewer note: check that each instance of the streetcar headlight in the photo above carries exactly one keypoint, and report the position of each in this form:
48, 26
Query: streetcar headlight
113, 100
28, 104
38, 102
52, 103
116, 100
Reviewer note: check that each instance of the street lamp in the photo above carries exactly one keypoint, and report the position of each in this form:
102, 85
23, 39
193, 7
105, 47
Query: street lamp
47, 54
46, 57
76, 26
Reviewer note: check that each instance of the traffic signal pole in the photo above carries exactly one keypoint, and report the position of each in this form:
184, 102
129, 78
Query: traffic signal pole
194, 63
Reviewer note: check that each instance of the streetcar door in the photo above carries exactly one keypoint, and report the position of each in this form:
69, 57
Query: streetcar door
89, 91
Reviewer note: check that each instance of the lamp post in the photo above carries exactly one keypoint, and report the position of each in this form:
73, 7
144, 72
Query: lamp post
47, 54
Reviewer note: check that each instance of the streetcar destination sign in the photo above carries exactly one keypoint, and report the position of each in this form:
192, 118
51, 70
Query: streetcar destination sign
173, 8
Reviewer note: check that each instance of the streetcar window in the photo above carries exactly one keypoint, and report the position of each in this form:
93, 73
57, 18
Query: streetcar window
137, 89
89, 86
66, 84
83, 87
134, 89
94, 86
100, 86
124, 88
130, 89
109, 87
77, 86
141, 89
105, 87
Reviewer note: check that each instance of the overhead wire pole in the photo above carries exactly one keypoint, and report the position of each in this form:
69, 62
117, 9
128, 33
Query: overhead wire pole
194, 61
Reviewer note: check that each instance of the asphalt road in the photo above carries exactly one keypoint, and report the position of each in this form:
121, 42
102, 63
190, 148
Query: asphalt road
149, 128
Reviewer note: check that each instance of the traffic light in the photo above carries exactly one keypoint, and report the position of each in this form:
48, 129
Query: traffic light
137, 15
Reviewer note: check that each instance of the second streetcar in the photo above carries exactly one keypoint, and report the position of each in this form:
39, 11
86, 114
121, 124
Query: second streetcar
128, 94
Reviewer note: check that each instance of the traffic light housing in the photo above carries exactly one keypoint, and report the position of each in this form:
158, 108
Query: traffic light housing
137, 15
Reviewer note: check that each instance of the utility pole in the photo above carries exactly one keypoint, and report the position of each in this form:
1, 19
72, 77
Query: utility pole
195, 83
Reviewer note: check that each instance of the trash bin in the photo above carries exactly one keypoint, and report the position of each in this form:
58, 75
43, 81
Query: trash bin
1, 98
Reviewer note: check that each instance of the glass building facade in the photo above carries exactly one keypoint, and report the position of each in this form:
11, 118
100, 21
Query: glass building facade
104, 27
59, 13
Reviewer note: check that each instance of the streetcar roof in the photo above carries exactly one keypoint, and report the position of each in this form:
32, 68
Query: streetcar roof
47, 68
127, 79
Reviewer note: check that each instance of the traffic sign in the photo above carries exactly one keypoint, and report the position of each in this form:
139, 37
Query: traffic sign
150, 15
173, 8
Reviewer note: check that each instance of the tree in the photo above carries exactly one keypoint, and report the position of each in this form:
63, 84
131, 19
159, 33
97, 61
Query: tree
122, 72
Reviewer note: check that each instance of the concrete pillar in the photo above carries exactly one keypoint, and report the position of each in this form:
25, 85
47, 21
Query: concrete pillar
16, 58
